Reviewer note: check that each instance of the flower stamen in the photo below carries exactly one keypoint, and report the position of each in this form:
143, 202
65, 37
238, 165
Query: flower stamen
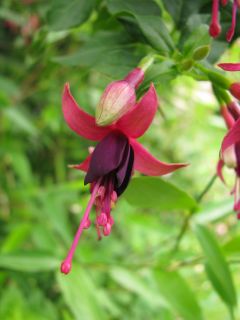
67, 263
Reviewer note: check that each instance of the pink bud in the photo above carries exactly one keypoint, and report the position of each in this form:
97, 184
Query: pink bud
214, 29
235, 90
87, 224
118, 98
66, 267
107, 229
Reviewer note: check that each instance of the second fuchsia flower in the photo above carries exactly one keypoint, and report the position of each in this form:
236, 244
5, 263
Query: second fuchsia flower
120, 120
215, 28
230, 149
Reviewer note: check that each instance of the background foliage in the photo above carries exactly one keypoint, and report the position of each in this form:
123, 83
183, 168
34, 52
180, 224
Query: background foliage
174, 250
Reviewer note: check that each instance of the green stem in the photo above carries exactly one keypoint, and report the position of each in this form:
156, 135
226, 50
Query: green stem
189, 216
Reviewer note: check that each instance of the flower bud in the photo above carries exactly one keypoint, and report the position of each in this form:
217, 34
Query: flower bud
135, 77
235, 90
185, 65
214, 29
117, 99
201, 52
229, 157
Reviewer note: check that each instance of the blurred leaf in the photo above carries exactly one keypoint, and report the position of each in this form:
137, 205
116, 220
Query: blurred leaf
180, 10
22, 168
156, 32
147, 15
177, 293
216, 266
158, 193
15, 238
20, 120
81, 295
213, 211
105, 51
133, 282
198, 37
232, 246
29, 261
134, 7
67, 14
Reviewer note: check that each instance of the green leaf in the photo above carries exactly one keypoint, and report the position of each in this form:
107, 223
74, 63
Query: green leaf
198, 37
181, 10
81, 295
216, 266
213, 211
20, 120
178, 294
133, 282
156, 33
67, 14
29, 262
134, 7
105, 51
158, 193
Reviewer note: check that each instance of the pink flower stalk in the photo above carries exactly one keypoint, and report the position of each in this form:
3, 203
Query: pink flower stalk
110, 166
215, 28
230, 66
230, 149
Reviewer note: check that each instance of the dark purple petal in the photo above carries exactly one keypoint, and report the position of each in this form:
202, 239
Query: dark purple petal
126, 172
107, 156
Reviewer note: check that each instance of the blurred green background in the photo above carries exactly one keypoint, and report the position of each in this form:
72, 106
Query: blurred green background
158, 263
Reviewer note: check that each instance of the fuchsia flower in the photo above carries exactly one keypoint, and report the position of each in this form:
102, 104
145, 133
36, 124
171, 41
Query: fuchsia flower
215, 28
230, 149
109, 167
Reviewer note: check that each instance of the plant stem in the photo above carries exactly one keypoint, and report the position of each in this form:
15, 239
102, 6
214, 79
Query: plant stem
189, 216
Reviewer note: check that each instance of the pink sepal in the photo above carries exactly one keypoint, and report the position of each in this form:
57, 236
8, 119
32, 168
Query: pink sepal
78, 120
229, 66
145, 163
83, 166
232, 137
136, 121
220, 166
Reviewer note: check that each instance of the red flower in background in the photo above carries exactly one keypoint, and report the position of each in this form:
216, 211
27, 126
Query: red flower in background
230, 149
109, 167
215, 28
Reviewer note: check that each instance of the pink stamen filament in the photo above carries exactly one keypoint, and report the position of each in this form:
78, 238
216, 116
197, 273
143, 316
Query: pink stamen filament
67, 263
231, 30
215, 28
